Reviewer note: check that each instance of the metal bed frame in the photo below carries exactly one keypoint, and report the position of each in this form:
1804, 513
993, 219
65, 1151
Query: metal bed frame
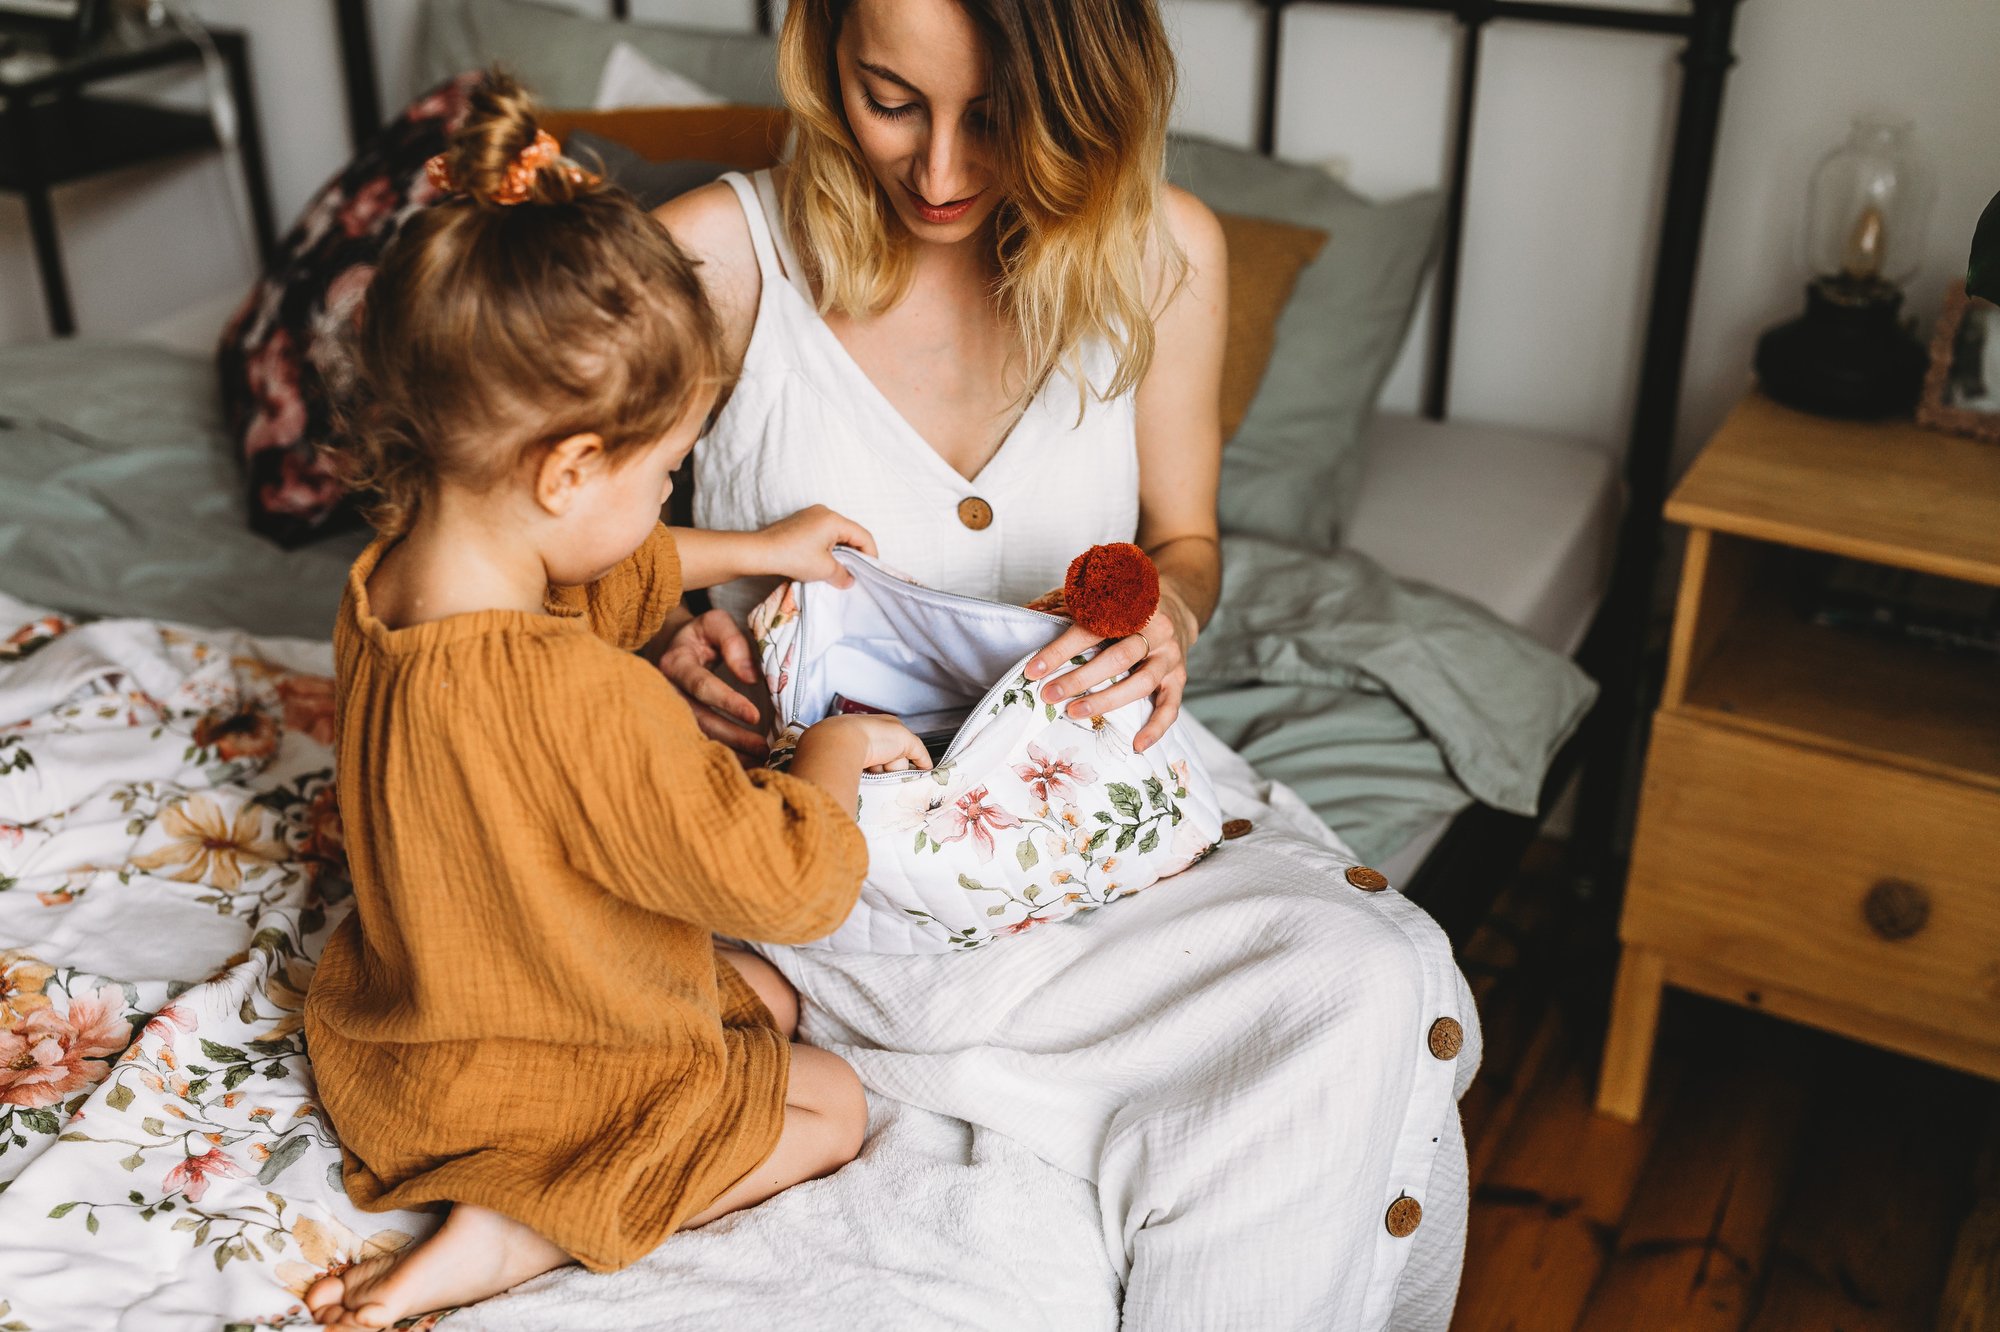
1458, 880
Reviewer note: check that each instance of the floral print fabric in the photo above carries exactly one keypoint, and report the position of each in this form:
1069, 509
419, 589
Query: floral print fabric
170, 864
1031, 817
284, 351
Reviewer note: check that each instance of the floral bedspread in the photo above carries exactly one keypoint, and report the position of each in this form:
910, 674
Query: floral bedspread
170, 865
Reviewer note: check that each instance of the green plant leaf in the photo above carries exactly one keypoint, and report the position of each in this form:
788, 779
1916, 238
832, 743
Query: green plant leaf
972, 885
1026, 854
1982, 269
1124, 799
227, 1054
1149, 842
60, 1210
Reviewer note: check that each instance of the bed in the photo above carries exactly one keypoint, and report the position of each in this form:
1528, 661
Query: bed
135, 610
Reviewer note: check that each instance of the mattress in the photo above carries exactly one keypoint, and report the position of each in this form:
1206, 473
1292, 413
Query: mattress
1523, 523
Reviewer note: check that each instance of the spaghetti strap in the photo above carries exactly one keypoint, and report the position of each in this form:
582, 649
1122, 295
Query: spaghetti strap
760, 229
766, 184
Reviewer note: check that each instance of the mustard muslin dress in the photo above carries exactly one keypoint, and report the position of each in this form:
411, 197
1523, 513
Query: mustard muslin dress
525, 1010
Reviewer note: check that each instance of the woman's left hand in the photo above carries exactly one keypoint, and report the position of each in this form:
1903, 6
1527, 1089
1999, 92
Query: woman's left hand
1153, 662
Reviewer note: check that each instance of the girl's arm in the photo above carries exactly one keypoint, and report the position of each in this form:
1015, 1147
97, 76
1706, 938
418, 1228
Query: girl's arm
800, 546
1180, 463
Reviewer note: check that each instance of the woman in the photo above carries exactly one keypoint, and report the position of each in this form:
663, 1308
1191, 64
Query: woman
970, 316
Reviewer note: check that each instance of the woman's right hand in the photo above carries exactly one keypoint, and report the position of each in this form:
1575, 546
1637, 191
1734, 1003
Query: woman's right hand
723, 713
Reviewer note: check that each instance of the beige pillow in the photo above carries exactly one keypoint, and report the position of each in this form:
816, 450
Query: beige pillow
1265, 259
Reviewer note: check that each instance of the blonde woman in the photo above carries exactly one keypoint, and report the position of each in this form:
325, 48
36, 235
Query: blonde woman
970, 316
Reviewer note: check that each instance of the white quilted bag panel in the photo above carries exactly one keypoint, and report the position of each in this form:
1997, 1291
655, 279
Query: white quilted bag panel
1029, 816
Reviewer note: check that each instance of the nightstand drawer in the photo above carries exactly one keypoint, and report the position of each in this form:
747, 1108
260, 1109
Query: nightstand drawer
1864, 884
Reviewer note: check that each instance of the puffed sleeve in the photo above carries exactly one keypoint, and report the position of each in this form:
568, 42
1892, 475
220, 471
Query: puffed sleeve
627, 606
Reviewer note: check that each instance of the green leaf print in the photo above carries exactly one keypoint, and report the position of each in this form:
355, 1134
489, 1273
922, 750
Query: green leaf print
281, 1158
227, 1054
1124, 799
1026, 854
1149, 842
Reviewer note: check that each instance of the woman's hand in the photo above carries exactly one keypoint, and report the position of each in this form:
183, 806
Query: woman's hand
718, 709
1153, 661
801, 546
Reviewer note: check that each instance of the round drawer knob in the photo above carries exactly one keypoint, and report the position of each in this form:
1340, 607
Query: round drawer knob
1896, 908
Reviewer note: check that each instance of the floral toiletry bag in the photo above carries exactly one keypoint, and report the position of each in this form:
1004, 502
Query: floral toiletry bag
1029, 815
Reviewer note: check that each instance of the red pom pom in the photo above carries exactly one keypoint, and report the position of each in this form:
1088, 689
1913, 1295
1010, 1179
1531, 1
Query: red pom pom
1112, 590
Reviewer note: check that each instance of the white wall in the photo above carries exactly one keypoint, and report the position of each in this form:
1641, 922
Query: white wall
1567, 173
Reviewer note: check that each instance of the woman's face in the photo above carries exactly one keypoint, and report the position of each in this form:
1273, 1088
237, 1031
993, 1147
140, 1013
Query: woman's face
913, 80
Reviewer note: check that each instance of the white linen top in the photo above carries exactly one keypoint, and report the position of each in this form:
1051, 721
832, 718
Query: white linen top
805, 426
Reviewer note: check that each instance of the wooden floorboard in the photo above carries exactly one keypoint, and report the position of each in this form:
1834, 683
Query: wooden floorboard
1863, 1246
1780, 1178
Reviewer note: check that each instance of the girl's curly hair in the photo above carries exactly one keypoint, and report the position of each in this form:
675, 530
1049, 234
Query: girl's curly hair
493, 330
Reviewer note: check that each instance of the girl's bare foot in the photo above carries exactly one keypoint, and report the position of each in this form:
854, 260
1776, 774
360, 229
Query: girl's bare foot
474, 1254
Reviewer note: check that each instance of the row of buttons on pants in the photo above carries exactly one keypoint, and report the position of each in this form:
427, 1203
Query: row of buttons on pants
1445, 1039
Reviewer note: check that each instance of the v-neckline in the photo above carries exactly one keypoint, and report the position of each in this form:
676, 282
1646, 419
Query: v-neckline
915, 436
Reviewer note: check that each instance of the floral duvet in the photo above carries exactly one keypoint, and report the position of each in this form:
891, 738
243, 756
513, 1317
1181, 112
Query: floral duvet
169, 868
170, 864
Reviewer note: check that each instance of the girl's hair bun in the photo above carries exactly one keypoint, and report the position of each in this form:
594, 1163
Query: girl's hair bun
484, 159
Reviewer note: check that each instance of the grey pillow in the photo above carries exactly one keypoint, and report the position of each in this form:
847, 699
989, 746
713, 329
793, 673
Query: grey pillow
1290, 472
560, 54
651, 183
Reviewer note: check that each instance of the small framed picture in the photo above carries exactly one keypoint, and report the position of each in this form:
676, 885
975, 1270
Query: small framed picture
1962, 390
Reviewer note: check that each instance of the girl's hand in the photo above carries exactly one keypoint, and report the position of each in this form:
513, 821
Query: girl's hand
801, 546
718, 708
1154, 661
886, 745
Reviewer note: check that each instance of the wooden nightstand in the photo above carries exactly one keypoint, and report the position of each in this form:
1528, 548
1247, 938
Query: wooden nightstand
1819, 831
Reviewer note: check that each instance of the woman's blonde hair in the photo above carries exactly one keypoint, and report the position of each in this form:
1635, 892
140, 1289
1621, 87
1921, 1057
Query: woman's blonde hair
1079, 96
495, 328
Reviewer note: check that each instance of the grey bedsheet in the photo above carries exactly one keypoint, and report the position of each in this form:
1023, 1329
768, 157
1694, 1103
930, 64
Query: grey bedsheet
1386, 705
121, 495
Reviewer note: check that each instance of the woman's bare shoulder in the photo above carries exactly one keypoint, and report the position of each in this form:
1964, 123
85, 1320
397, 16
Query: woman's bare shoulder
709, 224
1194, 227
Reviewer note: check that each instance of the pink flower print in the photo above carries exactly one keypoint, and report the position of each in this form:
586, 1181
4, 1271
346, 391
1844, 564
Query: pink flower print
1056, 778
192, 1175
970, 815
45, 1057
303, 485
370, 204
11, 834
1023, 926
169, 1020
273, 374
99, 1023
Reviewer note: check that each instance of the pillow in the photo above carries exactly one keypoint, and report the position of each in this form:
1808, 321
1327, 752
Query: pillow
1290, 471
289, 338
651, 183
629, 79
561, 54
1264, 262
742, 138
1029, 816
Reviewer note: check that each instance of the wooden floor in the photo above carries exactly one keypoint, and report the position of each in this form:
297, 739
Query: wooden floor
1781, 1178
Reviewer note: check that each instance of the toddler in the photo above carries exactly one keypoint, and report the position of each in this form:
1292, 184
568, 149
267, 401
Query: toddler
525, 1018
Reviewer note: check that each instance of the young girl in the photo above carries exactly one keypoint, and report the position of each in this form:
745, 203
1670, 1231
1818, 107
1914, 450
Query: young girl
525, 1017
